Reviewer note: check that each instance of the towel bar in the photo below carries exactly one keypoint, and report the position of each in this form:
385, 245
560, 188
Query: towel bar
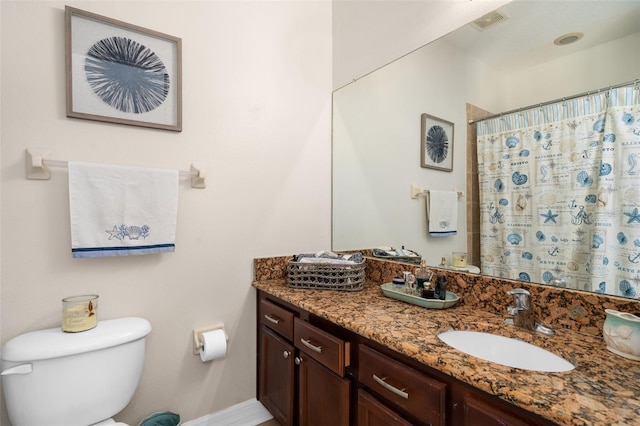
416, 190
38, 168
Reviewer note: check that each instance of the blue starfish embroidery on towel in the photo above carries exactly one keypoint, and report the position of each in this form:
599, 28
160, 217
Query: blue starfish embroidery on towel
131, 232
549, 217
634, 216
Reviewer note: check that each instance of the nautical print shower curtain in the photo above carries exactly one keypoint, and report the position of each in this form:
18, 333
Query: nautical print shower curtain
560, 193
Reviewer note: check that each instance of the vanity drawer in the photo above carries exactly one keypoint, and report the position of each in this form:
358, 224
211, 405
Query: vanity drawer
277, 318
325, 348
418, 394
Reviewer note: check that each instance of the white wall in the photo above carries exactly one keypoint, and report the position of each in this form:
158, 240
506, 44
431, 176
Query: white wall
257, 104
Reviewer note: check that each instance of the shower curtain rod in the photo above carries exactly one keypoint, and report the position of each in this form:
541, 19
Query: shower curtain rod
568, 98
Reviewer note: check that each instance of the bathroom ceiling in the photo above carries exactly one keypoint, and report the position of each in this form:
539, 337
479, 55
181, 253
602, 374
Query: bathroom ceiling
526, 36
369, 34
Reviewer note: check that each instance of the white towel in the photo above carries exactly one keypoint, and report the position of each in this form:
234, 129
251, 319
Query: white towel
120, 211
442, 213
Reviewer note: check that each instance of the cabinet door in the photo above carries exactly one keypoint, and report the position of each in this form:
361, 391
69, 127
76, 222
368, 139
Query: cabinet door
277, 376
372, 412
479, 413
323, 395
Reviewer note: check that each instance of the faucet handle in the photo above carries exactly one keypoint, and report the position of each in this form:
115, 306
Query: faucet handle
521, 298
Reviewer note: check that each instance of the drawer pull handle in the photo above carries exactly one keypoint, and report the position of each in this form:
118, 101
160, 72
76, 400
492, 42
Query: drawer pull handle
271, 319
382, 382
311, 346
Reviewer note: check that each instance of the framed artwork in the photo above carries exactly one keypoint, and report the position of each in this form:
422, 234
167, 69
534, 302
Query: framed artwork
436, 143
122, 73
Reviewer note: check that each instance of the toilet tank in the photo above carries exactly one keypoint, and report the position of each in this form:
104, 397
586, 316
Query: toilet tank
52, 378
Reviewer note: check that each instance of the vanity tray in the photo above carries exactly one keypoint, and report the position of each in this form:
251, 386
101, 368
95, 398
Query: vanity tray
397, 292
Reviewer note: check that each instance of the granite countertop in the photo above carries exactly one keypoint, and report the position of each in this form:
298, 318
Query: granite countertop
603, 389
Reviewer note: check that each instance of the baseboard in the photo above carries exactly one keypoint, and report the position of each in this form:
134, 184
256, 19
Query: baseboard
248, 413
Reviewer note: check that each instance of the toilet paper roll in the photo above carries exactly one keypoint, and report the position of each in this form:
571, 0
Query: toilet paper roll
214, 345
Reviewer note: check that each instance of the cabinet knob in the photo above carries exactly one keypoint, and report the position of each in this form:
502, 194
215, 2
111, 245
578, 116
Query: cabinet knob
298, 360
286, 354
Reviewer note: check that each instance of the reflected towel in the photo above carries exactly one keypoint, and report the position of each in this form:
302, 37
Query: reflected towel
442, 213
120, 211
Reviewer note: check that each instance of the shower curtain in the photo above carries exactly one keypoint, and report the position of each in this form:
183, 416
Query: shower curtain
560, 193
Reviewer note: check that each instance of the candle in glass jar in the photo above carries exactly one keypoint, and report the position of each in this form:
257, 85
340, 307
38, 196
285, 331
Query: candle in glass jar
459, 259
79, 313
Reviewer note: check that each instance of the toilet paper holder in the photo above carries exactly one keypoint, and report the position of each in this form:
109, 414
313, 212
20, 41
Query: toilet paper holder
198, 332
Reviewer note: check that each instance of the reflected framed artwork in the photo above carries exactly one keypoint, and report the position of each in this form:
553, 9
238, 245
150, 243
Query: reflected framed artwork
436, 143
122, 73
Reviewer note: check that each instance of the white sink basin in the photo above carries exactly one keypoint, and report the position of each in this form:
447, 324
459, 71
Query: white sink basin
506, 351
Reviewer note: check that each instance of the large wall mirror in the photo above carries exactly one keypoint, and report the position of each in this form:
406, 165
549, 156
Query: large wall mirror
472, 71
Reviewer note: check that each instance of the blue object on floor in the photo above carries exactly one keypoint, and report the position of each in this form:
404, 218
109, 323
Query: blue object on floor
161, 419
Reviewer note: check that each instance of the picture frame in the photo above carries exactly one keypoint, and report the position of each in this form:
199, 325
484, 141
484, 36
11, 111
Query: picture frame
436, 143
122, 73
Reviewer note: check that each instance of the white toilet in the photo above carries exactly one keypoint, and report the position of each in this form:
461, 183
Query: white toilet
55, 378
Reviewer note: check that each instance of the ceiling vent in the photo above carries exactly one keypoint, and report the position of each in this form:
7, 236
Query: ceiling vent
489, 20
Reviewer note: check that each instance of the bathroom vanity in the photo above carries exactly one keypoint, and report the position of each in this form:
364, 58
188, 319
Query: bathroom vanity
329, 357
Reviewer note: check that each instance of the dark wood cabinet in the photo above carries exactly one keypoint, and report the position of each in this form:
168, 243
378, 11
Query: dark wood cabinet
323, 395
276, 376
372, 412
313, 372
301, 370
479, 413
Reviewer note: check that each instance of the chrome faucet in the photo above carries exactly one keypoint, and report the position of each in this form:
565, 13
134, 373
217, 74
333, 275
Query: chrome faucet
522, 313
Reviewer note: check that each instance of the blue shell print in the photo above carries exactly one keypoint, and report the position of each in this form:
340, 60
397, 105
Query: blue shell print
512, 142
524, 153
498, 185
627, 118
584, 179
597, 241
503, 202
547, 276
591, 198
605, 169
523, 276
602, 287
537, 135
627, 289
609, 137
518, 178
622, 239
540, 236
527, 255
598, 126
126, 75
437, 144
514, 239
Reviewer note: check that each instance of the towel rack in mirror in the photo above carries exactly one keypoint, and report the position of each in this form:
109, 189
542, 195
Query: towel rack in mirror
38, 168
416, 190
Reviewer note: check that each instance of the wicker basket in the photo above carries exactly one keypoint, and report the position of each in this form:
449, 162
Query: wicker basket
326, 276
